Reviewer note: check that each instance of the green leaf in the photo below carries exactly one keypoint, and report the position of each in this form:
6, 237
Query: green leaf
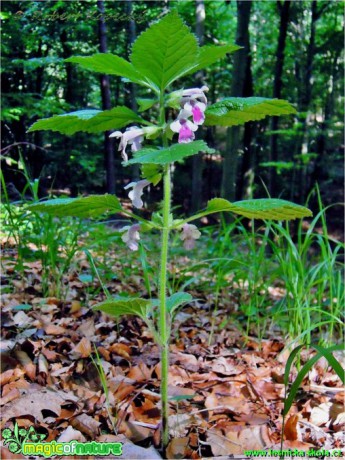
178, 398
165, 51
326, 352
152, 173
289, 363
22, 307
178, 299
332, 361
85, 278
68, 123
145, 104
110, 64
279, 165
173, 153
125, 306
210, 54
238, 110
89, 206
270, 208
264, 208
90, 121
218, 205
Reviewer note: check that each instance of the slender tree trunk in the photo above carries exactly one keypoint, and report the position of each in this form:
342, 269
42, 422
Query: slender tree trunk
37, 155
303, 186
69, 97
277, 87
246, 179
131, 91
197, 160
305, 98
228, 188
106, 105
319, 170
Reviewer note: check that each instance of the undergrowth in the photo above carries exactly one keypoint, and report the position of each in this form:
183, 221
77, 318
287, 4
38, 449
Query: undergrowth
266, 276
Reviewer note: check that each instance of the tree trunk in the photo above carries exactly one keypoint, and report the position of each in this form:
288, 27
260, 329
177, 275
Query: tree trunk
197, 160
277, 88
320, 172
228, 188
305, 100
69, 98
131, 91
37, 157
246, 179
106, 105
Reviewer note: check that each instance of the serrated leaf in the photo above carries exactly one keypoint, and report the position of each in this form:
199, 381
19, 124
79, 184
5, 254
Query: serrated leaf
178, 299
173, 153
271, 208
218, 205
264, 208
238, 110
90, 121
165, 51
209, 54
85, 207
110, 64
125, 306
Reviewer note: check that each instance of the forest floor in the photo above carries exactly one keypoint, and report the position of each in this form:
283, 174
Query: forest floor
226, 390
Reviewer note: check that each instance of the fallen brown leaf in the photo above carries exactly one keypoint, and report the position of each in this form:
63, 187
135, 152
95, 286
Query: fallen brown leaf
10, 396
70, 434
43, 371
147, 412
52, 329
10, 375
86, 424
290, 428
34, 403
82, 350
121, 349
26, 362
178, 448
87, 328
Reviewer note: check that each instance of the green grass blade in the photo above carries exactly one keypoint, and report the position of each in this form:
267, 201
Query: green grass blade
333, 362
304, 371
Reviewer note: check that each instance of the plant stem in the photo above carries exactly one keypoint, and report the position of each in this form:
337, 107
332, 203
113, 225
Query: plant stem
163, 314
163, 319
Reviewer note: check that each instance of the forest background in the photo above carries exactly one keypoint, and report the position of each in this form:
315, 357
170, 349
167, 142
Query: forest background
257, 290
291, 50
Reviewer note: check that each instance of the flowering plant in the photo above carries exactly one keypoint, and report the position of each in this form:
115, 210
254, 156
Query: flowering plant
162, 54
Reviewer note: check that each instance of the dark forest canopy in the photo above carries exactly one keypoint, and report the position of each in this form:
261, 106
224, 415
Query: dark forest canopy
291, 50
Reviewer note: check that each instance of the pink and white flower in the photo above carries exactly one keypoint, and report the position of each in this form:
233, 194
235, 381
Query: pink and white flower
197, 109
184, 127
194, 104
195, 101
195, 93
189, 234
136, 193
132, 136
131, 236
